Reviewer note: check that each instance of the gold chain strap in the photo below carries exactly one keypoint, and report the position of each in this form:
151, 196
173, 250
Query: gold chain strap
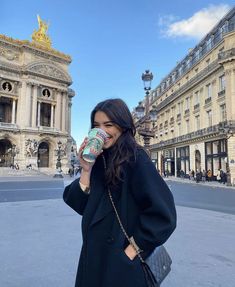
119, 219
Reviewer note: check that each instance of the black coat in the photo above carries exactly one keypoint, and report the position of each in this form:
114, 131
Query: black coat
147, 211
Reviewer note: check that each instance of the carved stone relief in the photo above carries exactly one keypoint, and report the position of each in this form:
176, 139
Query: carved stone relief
31, 147
9, 54
50, 71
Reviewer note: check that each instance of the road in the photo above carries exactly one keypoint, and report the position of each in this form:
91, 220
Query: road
202, 196
185, 193
30, 189
41, 239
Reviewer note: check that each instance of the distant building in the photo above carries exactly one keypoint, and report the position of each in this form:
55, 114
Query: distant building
195, 104
35, 102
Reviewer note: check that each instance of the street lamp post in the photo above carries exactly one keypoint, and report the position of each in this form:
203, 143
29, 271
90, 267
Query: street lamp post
143, 112
228, 131
59, 153
13, 154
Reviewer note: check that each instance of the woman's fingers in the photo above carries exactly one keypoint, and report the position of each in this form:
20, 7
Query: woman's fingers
83, 144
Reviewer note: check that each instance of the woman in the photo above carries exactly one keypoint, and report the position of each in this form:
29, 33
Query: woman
143, 200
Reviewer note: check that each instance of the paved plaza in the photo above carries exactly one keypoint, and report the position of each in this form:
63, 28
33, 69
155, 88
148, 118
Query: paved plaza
41, 240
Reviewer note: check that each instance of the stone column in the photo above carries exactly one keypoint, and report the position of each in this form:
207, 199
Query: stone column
58, 111
175, 163
27, 107
34, 106
52, 116
64, 112
69, 117
21, 104
38, 118
13, 114
230, 90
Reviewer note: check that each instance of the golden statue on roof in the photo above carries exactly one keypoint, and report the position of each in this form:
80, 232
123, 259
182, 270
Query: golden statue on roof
39, 36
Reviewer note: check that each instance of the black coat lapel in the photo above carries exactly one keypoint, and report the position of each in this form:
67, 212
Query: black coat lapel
103, 209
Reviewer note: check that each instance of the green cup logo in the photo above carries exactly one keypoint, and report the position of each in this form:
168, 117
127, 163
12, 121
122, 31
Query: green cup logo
96, 140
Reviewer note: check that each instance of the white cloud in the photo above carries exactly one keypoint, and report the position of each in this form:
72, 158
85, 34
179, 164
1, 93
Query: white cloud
196, 26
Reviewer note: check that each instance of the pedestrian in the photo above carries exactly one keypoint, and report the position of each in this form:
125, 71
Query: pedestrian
193, 174
218, 175
198, 175
209, 175
203, 175
142, 198
181, 173
223, 177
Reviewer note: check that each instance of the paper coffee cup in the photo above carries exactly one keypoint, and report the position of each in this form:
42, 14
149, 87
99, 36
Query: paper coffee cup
96, 140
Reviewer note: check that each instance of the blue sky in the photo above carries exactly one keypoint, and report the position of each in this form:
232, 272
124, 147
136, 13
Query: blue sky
113, 42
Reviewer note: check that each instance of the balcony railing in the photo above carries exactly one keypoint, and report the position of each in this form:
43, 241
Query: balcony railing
8, 125
186, 112
197, 106
48, 129
221, 93
224, 55
208, 101
213, 130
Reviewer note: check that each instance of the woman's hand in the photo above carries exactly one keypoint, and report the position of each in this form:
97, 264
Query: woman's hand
86, 166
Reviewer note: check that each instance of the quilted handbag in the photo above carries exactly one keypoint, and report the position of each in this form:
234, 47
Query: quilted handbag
157, 266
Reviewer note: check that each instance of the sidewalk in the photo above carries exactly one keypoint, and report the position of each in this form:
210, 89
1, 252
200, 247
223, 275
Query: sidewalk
206, 183
41, 240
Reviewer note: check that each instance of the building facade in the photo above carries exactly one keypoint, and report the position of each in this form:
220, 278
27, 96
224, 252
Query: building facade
195, 105
35, 102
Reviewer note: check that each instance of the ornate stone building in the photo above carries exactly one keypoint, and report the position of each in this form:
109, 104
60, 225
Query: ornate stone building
35, 102
195, 105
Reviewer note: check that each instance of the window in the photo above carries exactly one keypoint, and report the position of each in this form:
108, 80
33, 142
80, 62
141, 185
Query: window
180, 107
188, 63
208, 148
208, 91
197, 54
209, 44
187, 103
223, 146
197, 122
179, 129
187, 127
181, 70
223, 114
196, 98
209, 118
207, 62
215, 147
222, 83
224, 28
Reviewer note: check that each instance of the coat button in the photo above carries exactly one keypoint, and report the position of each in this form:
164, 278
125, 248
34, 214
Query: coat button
110, 240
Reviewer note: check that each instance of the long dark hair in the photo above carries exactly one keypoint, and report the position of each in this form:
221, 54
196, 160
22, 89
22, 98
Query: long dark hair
125, 147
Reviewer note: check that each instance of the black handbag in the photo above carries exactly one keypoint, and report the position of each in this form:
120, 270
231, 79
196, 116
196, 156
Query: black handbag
158, 264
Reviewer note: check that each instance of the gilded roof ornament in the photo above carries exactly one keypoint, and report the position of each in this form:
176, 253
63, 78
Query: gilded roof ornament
39, 36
